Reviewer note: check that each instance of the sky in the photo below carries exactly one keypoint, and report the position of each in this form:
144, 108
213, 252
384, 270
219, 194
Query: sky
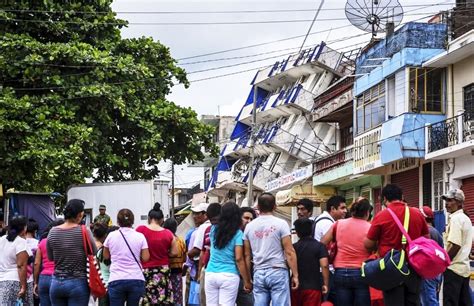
188, 40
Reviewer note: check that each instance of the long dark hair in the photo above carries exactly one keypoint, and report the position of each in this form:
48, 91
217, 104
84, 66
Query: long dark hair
15, 227
229, 223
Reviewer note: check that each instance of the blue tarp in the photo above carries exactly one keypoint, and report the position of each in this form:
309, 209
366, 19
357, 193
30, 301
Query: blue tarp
38, 207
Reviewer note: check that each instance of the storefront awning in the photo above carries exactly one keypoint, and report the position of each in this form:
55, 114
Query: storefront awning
290, 197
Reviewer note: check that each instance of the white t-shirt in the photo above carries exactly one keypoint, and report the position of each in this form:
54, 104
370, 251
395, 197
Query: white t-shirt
8, 266
200, 233
264, 235
323, 225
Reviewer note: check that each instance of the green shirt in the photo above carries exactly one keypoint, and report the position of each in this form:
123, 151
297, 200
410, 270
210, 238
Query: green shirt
104, 219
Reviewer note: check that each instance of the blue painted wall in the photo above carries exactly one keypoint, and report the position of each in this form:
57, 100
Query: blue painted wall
411, 45
404, 136
411, 35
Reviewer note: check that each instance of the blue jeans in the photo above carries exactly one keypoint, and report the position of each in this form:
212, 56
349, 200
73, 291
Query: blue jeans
44, 284
69, 291
130, 291
271, 284
350, 288
429, 291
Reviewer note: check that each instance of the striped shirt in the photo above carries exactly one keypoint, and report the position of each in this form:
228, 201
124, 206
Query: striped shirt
65, 247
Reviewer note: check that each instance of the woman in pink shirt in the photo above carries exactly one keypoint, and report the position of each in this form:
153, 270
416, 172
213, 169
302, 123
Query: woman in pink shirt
125, 248
162, 245
44, 268
349, 235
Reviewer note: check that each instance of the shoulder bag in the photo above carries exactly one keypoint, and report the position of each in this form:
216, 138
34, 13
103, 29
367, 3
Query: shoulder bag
97, 286
130, 249
425, 256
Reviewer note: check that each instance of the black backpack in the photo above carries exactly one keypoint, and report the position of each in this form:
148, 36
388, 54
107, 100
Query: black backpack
313, 230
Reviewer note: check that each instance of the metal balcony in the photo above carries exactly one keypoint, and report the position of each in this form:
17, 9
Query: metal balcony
274, 139
334, 160
295, 100
450, 138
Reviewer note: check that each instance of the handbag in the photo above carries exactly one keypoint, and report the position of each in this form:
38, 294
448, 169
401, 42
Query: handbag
425, 256
389, 271
97, 286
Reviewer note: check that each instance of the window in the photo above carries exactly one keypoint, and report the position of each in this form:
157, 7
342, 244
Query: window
469, 101
346, 137
371, 108
426, 89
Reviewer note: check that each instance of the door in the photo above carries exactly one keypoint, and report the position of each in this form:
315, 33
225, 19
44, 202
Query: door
468, 188
410, 185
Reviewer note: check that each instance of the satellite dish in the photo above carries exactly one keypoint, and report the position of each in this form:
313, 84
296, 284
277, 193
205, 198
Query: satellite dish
373, 15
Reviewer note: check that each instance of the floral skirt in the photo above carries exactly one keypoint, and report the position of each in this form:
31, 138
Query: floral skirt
177, 283
159, 290
9, 291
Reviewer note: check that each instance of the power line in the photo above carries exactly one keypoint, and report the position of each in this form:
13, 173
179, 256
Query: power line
138, 80
203, 12
285, 39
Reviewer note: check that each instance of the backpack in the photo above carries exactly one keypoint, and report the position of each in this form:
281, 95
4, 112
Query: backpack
313, 229
425, 256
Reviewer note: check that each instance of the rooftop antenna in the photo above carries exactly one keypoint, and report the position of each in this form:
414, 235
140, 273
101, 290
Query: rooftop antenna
373, 15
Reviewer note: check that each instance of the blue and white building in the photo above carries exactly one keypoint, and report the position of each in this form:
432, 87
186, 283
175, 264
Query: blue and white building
287, 139
395, 97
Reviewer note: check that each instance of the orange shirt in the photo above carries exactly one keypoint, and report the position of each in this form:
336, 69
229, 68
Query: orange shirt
350, 236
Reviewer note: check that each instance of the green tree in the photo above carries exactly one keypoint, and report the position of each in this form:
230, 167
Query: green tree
77, 100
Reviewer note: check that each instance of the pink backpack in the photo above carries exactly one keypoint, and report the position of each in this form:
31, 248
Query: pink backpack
425, 256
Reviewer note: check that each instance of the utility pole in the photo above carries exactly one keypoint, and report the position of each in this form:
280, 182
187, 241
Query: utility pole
172, 189
252, 148
311, 26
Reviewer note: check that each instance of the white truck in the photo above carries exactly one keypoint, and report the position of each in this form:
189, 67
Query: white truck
138, 196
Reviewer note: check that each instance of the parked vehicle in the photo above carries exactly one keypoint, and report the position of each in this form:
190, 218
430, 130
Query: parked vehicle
138, 196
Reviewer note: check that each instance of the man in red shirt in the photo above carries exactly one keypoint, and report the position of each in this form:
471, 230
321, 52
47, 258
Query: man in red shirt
385, 235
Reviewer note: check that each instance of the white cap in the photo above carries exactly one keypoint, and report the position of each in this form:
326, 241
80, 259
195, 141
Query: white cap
201, 207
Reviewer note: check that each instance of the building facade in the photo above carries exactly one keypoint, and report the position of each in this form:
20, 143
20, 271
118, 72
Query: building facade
287, 140
450, 143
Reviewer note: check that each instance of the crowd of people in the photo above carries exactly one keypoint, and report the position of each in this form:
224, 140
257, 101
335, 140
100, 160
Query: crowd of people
233, 256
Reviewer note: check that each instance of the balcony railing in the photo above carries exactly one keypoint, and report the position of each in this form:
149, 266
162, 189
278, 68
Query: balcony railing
450, 132
297, 146
334, 160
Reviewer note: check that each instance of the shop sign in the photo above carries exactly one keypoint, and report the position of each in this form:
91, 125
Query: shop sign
289, 179
403, 165
367, 151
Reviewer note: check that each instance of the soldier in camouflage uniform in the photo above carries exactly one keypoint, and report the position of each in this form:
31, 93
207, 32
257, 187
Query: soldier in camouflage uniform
103, 218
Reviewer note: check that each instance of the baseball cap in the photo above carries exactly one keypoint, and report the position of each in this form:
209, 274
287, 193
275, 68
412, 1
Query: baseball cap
456, 194
427, 212
102, 206
201, 207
